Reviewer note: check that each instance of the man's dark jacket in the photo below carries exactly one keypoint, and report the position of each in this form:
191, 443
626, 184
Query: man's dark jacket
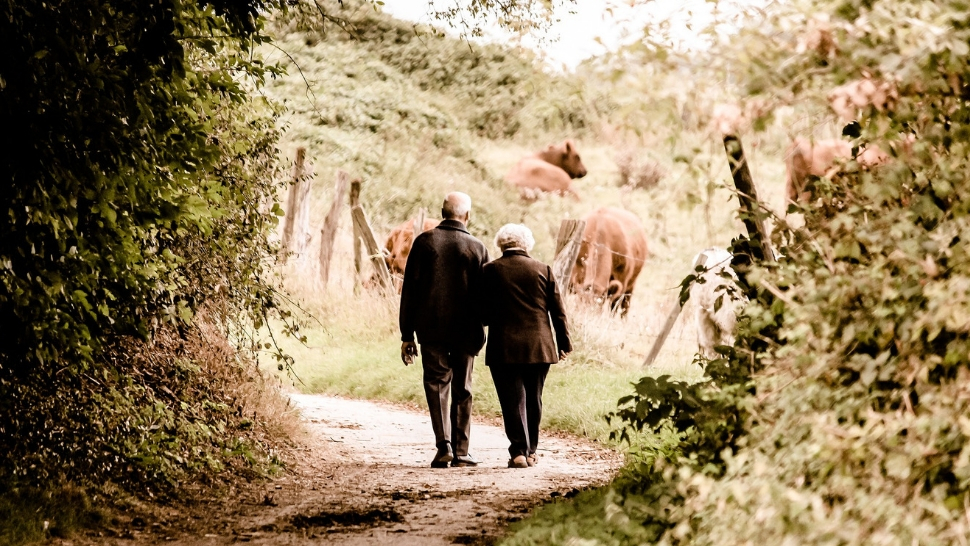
442, 279
519, 297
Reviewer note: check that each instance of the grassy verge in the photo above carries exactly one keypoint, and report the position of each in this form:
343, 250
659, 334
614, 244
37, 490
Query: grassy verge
354, 351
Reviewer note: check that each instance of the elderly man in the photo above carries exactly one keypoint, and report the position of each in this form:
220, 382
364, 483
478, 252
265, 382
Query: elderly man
520, 300
439, 303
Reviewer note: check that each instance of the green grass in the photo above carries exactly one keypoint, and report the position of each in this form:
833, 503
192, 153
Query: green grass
355, 352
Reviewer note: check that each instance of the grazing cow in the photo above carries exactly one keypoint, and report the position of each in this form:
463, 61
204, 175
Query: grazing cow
820, 158
550, 170
610, 257
715, 319
398, 246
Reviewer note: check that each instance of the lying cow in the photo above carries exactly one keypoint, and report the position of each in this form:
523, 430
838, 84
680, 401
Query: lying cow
821, 158
716, 320
398, 246
610, 258
547, 171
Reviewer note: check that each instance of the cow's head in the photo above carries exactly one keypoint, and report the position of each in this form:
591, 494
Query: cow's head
570, 160
395, 256
587, 281
593, 287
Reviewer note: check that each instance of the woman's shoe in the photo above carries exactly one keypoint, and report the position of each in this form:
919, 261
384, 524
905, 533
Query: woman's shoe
519, 462
532, 459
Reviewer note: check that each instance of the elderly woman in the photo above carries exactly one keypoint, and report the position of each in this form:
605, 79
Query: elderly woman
519, 298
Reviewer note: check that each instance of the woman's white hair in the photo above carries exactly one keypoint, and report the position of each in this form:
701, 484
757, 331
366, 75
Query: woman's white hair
514, 236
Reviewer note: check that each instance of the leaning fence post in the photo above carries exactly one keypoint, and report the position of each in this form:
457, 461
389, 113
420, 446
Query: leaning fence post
567, 248
329, 231
671, 319
362, 227
747, 195
664, 332
753, 223
296, 222
354, 201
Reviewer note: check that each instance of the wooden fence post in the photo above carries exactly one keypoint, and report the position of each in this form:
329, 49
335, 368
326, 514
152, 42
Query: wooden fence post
373, 251
567, 248
748, 196
755, 226
671, 319
329, 231
296, 222
664, 332
354, 201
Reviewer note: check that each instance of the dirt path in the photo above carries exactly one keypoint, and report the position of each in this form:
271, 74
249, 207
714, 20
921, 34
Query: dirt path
363, 478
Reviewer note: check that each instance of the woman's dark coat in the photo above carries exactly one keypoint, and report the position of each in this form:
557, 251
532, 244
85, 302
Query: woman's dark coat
519, 297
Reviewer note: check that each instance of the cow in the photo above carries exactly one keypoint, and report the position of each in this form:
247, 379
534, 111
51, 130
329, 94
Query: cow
716, 320
821, 158
548, 171
610, 258
398, 246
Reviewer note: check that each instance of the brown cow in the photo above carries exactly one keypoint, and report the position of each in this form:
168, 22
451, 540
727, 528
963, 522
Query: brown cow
610, 257
821, 158
550, 170
398, 246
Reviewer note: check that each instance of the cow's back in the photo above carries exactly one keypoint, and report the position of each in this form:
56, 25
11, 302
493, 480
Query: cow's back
630, 242
549, 170
533, 173
612, 253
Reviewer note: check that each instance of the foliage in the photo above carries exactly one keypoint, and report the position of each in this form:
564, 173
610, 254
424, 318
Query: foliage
136, 217
501, 91
848, 383
520, 16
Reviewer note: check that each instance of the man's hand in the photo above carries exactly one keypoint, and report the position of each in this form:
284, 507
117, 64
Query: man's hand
563, 355
409, 350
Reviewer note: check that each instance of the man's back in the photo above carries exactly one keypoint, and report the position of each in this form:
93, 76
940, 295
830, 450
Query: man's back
441, 280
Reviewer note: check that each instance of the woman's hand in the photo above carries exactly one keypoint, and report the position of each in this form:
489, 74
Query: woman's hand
563, 355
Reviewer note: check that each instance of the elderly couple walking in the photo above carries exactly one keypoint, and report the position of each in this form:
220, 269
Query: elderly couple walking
451, 292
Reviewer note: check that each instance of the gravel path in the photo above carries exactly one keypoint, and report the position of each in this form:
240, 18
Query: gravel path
362, 477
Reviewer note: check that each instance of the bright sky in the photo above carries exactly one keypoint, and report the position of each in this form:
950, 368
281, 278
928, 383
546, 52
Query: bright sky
590, 27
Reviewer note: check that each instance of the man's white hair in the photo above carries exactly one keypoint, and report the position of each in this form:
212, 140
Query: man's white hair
456, 205
515, 236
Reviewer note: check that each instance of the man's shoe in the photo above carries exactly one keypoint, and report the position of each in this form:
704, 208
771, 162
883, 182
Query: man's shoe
532, 459
441, 459
464, 460
519, 462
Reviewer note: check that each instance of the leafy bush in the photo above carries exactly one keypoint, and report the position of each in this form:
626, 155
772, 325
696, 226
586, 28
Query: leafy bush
502, 93
135, 238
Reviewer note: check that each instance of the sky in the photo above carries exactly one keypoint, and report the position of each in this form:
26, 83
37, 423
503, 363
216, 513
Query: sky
590, 27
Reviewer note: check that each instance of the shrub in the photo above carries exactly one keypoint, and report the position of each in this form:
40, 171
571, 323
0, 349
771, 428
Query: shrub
638, 172
134, 241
